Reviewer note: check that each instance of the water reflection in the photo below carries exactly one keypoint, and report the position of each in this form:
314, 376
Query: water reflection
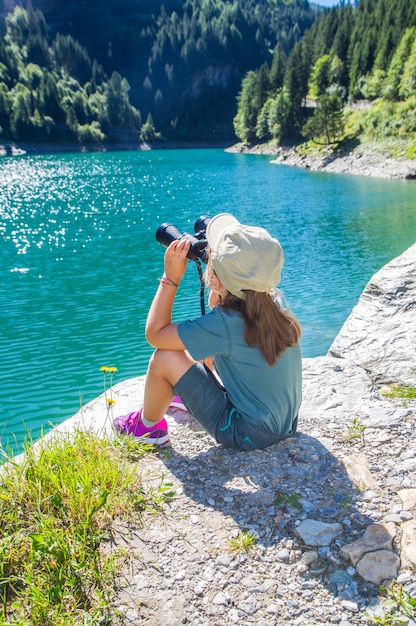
80, 261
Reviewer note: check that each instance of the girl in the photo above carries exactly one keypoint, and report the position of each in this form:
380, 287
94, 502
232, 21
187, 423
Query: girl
252, 398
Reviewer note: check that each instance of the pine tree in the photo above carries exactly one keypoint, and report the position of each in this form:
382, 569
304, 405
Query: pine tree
407, 86
326, 126
320, 77
397, 65
277, 70
246, 119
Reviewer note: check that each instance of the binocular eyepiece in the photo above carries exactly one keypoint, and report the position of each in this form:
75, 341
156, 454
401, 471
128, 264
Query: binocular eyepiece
167, 232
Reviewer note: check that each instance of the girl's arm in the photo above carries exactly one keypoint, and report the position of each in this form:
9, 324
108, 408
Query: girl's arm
160, 332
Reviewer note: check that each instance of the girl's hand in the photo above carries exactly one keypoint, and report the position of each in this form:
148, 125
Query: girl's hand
176, 259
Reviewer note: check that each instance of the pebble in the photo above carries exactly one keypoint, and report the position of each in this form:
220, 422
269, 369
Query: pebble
183, 569
362, 161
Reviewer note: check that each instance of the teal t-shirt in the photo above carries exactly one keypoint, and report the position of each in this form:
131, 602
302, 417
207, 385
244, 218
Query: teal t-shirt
263, 394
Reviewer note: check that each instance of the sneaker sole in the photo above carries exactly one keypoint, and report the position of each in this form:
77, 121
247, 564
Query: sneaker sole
155, 441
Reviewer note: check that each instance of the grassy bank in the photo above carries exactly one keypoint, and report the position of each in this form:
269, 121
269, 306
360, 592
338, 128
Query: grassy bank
58, 503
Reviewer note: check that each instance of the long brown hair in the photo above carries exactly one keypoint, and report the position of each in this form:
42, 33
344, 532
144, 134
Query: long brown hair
266, 323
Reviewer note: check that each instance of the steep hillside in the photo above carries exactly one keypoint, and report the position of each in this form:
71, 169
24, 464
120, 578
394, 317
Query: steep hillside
183, 60
351, 77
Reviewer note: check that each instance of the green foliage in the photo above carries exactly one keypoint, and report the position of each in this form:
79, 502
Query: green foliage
246, 119
277, 70
326, 126
401, 392
71, 57
52, 92
264, 123
398, 607
367, 51
147, 131
196, 66
57, 503
407, 85
242, 542
355, 430
372, 85
396, 67
184, 59
288, 500
271, 121
390, 120
319, 79
411, 151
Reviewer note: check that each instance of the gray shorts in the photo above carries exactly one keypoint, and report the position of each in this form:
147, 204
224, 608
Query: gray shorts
209, 404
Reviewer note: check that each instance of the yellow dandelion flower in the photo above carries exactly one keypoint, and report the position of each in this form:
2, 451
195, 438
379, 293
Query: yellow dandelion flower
110, 401
111, 370
104, 368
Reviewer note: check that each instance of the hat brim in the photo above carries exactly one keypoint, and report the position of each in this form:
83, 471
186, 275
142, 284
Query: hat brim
216, 227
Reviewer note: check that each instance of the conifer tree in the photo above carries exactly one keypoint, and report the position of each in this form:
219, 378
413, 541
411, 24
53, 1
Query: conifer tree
326, 126
407, 86
397, 65
277, 70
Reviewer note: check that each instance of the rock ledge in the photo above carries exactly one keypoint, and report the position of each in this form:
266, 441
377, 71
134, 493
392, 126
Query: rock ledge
333, 509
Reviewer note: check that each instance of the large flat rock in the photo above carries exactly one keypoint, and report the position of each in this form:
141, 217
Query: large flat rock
380, 333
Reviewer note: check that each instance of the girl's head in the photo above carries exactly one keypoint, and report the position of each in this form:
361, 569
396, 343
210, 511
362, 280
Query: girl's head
245, 258
246, 261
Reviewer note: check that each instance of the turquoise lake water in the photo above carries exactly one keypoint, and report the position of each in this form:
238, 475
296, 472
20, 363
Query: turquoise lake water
79, 259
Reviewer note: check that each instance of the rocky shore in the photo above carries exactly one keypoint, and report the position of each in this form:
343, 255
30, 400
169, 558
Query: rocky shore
11, 149
331, 511
362, 161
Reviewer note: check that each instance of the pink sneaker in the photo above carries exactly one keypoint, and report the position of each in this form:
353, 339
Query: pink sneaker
131, 425
177, 404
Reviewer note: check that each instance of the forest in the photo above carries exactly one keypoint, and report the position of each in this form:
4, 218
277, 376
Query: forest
282, 71
351, 77
146, 70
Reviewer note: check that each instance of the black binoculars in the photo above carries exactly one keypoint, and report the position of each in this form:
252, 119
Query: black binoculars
167, 232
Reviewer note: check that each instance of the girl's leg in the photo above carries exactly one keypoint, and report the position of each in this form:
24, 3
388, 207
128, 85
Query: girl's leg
166, 367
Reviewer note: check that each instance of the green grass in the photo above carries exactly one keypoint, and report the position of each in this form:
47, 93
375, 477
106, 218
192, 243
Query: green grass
355, 430
397, 607
409, 393
243, 542
57, 504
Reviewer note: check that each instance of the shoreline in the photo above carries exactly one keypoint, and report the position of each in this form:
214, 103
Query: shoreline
362, 161
22, 149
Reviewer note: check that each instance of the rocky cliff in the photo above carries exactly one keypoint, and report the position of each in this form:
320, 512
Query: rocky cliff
380, 333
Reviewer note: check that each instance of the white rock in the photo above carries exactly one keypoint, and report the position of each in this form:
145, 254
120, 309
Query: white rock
376, 537
316, 533
377, 567
408, 497
221, 598
380, 333
409, 543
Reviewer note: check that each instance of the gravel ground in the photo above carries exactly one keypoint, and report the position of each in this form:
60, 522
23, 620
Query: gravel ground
182, 568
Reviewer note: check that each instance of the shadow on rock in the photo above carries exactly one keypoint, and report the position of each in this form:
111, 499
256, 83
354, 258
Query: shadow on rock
294, 497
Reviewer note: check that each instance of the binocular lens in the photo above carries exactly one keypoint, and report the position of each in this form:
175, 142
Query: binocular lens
201, 223
166, 233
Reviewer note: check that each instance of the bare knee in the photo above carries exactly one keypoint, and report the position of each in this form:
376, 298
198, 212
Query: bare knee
170, 364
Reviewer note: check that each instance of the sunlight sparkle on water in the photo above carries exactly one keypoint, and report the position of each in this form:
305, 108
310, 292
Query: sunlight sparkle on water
85, 225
